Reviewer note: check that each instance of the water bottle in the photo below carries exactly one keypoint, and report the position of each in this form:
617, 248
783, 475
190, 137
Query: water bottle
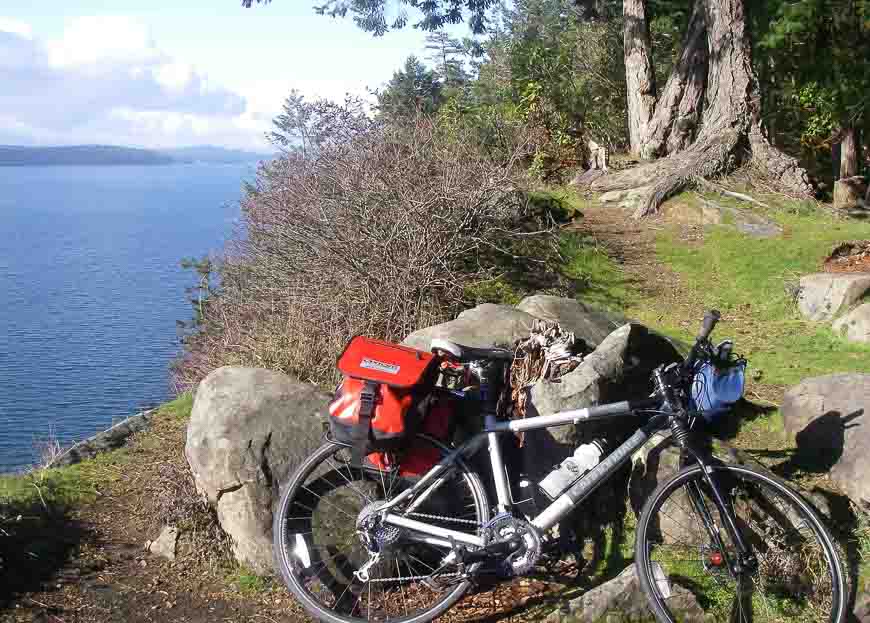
572, 469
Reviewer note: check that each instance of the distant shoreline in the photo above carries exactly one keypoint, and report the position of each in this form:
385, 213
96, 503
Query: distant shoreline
109, 155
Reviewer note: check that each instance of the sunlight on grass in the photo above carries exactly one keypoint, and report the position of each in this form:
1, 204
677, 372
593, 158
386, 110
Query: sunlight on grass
752, 282
80, 483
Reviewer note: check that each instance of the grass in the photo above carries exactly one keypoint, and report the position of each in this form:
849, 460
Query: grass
78, 484
751, 281
595, 277
247, 582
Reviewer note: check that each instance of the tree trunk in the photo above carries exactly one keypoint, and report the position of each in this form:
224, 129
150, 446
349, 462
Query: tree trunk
730, 127
849, 153
678, 112
639, 73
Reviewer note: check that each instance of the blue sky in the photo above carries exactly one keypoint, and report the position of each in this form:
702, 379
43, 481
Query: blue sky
158, 73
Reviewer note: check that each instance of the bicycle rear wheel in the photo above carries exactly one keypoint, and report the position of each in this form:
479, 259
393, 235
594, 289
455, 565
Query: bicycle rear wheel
684, 567
320, 553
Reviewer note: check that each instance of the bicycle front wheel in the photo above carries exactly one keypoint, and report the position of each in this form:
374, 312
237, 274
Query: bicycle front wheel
325, 561
685, 557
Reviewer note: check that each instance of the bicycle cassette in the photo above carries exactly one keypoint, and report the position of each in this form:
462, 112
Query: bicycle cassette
508, 528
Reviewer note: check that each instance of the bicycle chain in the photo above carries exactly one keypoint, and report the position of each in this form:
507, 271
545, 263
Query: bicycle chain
419, 578
454, 519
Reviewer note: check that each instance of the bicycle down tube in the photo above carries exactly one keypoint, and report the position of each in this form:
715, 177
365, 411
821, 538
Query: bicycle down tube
559, 507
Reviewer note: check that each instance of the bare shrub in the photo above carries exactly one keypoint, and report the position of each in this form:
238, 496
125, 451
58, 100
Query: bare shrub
379, 230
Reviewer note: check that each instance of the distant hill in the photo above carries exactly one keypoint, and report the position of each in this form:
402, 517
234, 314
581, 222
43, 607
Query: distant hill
208, 153
14, 155
11, 155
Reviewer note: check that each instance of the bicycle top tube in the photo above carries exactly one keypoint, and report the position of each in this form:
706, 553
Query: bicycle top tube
574, 416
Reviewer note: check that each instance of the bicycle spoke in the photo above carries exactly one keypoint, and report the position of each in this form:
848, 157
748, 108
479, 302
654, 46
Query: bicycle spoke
328, 501
792, 581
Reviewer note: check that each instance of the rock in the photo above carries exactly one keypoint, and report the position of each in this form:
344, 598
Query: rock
855, 326
585, 322
849, 192
621, 600
697, 214
824, 295
248, 429
165, 543
657, 460
826, 415
109, 439
483, 326
618, 369
862, 607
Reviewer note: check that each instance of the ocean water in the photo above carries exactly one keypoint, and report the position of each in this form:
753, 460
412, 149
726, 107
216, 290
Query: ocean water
91, 289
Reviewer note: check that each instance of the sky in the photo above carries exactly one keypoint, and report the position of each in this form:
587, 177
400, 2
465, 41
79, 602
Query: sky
167, 73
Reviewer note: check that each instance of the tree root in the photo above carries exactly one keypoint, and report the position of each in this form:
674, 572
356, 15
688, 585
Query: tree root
712, 155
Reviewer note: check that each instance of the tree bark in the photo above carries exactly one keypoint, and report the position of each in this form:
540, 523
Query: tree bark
849, 153
639, 73
730, 127
678, 112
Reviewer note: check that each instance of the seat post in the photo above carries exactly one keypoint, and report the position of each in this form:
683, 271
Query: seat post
487, 372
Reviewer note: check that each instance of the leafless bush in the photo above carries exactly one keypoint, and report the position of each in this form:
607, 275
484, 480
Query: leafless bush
48, 448
380, 230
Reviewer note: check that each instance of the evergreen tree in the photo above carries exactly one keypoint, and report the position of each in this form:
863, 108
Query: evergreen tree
447, 55
412, 90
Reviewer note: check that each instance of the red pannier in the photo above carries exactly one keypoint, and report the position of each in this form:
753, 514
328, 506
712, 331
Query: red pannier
381, 401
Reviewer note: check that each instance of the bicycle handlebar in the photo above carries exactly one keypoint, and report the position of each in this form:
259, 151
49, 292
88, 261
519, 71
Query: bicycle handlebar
710, 319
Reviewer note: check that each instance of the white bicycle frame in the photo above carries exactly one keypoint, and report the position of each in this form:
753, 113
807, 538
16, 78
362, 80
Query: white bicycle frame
551, 515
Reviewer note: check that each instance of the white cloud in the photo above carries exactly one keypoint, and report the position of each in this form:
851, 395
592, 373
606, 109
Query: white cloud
14, 26
104, 39
106, 80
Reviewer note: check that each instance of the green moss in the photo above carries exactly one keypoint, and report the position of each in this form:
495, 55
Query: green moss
496, 290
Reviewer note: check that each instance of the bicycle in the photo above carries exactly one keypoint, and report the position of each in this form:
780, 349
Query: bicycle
358, 544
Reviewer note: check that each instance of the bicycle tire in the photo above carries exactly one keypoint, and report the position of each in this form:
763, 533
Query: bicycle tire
281, 545
653, 587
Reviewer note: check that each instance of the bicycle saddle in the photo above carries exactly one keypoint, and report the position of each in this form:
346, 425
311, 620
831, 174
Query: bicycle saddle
470, 353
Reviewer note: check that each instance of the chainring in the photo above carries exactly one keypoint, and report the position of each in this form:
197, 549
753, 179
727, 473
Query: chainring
506, 528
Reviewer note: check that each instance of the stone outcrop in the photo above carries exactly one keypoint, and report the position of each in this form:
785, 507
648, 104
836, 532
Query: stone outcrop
621, 600
855, 326
827, 416
822, 296
107, 440
483, 326
618, 369
572, 315
248, 430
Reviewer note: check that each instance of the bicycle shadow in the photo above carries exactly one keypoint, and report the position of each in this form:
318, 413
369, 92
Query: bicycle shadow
818, 448
37, 540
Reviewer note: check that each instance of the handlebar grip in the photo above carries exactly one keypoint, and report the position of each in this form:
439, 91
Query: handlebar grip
710, 320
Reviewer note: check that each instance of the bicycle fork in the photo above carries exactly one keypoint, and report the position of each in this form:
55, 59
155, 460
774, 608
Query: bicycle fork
745, 559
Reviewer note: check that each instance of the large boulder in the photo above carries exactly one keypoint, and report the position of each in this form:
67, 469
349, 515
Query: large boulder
249, 428
824, 295
855, 326
621, 600
483, 326
827, 417
618, 369
572, 315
